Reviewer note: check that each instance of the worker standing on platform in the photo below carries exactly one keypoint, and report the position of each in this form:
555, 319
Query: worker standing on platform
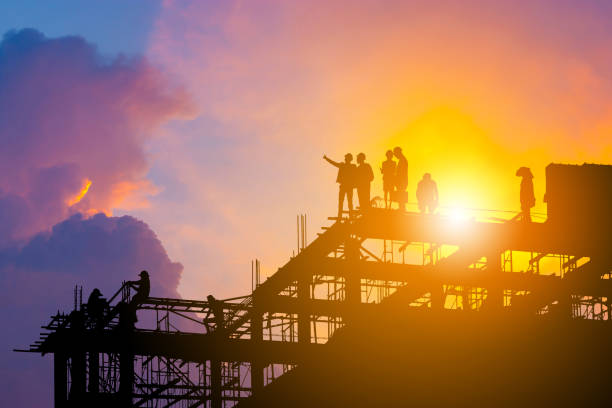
388, 173
401, 178
364, 178
215, 308
96, 306
142, 286
427, 194
346, 180
527, 194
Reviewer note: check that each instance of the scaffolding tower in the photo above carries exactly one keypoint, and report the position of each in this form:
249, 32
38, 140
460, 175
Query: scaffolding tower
192, 353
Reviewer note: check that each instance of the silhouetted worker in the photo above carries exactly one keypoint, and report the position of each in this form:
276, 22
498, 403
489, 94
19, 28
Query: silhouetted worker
401, 178
427, 194
216, 309
346, 180
363, 179
527, 194
388, 173
142, 286
96, 306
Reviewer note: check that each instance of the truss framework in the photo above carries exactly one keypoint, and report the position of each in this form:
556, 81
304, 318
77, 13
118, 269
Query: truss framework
191, 353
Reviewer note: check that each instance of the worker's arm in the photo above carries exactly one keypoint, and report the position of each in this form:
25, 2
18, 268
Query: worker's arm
330, 161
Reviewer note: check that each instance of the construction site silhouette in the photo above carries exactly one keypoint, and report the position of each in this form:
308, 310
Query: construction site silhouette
384, 308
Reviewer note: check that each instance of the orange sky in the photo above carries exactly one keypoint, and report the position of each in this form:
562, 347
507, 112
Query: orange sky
471, 91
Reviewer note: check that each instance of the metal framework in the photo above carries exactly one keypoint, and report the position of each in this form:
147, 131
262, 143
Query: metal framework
191, 353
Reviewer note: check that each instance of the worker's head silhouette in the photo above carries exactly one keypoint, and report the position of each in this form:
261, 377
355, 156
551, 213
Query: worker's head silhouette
348, 158
426, 176
96, 293
397, 151
143, 273
360, 158
389, 154
210, 298
524, 172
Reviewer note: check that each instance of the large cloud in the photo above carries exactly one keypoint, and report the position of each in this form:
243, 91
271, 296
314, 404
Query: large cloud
69, 115
74, 127
37, 280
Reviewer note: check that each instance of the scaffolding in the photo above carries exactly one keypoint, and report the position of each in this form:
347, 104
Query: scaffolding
181, 353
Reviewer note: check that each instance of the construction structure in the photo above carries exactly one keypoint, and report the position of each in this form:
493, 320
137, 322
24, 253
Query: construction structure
383, 308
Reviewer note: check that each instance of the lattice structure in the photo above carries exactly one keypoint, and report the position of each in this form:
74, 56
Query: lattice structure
181, 353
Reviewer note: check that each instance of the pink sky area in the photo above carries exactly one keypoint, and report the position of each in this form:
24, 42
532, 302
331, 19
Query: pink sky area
471, 91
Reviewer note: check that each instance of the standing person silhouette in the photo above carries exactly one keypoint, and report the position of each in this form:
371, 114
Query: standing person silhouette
527, 194
427, 194
346, 181
364, 178
401, 178
388, 173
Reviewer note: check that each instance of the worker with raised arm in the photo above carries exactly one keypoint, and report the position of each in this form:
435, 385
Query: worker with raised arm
427, 194
363, 179
142, 287
346, 181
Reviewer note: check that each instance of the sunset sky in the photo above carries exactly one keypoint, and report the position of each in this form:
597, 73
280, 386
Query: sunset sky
205, 123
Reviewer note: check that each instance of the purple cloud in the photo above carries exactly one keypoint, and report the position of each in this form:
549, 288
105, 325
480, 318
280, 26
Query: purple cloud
68, 115
37, 279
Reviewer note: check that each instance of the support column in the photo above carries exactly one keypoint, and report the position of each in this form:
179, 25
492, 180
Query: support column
126, 356
303, 293
437, 297
60, 380
94, 373
495, 293
215, 384
257, 366
353, 281
78, 366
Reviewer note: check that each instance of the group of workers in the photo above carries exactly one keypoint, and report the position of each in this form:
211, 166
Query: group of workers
98, 308
350, 177
395, 184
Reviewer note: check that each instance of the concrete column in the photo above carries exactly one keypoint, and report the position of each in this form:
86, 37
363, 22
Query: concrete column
353, 281
126, 356
304, 330
495, 293
60, 380
215, 384
94, 372
257, 366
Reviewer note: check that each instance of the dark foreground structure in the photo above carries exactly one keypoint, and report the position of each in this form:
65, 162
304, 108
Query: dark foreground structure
385, 309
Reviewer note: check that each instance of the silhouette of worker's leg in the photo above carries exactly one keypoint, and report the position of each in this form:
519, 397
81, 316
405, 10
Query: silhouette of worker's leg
349, 198
341, 194
361, 194
526, 214
366, 197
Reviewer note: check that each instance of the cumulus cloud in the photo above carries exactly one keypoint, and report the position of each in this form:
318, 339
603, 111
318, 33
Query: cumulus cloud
37, 279
69, 115
74, 127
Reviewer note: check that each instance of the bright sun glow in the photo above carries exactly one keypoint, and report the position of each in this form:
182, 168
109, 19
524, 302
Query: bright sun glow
458, 215
74, 200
